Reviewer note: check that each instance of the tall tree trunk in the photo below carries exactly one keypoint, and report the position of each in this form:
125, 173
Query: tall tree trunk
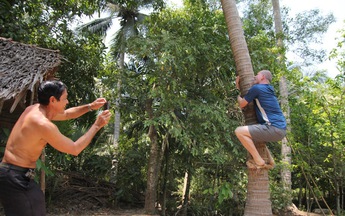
258, 194
117, 122
43, 155
43, 173
165, 180
186, 187
155, 160
152, 173
152, 170
286, 150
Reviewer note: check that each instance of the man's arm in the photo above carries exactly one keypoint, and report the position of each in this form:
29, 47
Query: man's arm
78, 111
51, 134
242, 102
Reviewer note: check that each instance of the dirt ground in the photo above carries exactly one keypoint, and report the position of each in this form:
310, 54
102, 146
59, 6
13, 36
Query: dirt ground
135, 212
115, 212
138, 212
77, 211
104, 211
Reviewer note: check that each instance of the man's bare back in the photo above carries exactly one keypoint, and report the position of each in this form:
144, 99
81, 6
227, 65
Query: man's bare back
25, 143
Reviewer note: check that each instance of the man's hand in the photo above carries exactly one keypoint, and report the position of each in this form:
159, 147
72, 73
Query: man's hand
98, 103
241, 102
238, 82
103, 119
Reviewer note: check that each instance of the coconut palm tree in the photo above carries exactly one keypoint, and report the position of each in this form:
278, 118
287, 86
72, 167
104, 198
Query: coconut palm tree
286, 149
258, 194
129, 15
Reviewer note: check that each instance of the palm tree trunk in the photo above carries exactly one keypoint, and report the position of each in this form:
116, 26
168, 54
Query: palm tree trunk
286, 150
258, 197
258, 194
117, 102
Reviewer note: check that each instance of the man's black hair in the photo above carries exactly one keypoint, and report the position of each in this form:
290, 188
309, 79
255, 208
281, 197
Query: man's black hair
50, 88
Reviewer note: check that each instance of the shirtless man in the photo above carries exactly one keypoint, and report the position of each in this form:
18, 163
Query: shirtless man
271, 125
19, 193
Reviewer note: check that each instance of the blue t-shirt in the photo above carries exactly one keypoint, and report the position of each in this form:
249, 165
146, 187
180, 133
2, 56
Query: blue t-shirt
266, 105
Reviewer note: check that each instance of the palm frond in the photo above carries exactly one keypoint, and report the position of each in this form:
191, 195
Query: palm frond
97, 26
113, 8
129, 28
116, 42
141, 17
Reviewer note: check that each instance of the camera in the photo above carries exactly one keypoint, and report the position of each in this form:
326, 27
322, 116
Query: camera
106, 106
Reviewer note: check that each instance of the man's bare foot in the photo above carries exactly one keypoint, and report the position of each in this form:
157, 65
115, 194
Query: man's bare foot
252, 165
260, 162
270, 158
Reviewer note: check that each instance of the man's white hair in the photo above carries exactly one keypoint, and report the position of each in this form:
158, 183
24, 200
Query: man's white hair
267, 74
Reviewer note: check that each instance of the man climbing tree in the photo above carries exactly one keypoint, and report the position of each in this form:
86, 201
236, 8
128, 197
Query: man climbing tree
258, 194
271, 125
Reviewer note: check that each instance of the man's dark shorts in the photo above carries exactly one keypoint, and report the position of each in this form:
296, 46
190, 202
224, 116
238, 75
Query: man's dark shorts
266, 133
19, 194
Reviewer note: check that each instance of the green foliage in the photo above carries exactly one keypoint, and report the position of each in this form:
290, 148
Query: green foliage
41, 166
84, 58
98, 159
223, 191
317, 128
261, 39
23, 19
215, 190
130, 176
280, 197
338, 54
185, 72
135, 4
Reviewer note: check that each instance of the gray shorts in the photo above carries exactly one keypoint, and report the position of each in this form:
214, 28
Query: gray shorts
266, 133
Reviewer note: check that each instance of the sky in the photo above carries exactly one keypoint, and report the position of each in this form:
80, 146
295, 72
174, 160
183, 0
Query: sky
326, 6
329, 40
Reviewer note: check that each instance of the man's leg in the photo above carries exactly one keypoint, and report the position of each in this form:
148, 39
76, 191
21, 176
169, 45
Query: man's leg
20, 195
245, 138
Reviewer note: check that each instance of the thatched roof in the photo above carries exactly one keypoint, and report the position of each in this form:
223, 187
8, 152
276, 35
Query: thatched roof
22, 68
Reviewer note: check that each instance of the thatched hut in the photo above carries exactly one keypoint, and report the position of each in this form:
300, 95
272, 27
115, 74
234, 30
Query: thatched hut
22, 68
